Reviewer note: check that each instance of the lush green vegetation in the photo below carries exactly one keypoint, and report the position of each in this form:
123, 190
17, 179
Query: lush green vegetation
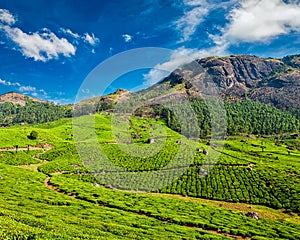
18, 157
178, 211
242, 117
256, 171
29, 210
251, 169
32, 112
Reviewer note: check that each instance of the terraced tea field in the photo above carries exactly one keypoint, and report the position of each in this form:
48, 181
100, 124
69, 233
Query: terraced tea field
48, 193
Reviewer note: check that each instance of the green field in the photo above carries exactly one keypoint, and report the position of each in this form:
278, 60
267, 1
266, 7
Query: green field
47, 192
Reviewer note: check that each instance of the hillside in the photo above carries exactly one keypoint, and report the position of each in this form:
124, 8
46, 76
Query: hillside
275, 82
17, 98
20, 109
267, 80
261, 95
47, 192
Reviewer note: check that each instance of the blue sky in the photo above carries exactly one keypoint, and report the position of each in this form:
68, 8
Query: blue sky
48, 48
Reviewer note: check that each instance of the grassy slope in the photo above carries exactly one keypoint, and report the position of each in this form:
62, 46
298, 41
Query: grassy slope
46, 214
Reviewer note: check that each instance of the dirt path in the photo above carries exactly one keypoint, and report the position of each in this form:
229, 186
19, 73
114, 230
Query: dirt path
34, 166
45, 148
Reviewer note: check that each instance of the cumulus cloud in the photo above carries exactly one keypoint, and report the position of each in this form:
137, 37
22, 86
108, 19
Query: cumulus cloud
178, 58
127, 37
91, 39
195, 13
42, 45
6, 17
39, 46
261, 20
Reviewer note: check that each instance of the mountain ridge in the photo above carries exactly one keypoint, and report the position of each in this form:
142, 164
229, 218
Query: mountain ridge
271, 81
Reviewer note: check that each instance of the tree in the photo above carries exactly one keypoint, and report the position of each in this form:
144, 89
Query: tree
33, 135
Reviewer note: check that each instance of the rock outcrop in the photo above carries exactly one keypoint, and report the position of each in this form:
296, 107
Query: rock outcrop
267, 80
17, 98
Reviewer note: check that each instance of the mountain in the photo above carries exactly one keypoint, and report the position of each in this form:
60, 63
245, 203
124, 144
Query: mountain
271, 81
17, 98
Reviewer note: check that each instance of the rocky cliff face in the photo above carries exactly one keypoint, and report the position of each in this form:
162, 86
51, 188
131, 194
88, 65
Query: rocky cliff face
272, 81
280, 91
240, 71
17, 98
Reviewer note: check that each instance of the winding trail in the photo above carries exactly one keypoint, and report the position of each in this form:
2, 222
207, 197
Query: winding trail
33, 166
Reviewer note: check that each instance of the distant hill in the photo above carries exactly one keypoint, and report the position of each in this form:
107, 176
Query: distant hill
18, 108
101, 103
17, 98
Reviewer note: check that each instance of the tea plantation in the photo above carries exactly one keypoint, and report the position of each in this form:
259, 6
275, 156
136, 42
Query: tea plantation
49, 192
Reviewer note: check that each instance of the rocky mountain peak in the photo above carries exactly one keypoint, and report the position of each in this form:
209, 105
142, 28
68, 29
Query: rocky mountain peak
268, 80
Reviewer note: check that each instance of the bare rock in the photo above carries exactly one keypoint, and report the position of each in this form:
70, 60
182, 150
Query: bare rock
252, 215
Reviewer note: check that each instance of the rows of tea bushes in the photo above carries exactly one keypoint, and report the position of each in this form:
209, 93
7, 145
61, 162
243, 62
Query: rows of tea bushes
29, 210
177, 211
18, 157
229, 183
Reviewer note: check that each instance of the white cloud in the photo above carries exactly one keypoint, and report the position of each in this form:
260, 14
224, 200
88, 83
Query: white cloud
39, 46
196, 11
33, 91
91, 39
194, 2
88, 38
178, 58
24, 89
27, 89
70, 33
127, 37
6, 17
42, 45
261, 20
8, 83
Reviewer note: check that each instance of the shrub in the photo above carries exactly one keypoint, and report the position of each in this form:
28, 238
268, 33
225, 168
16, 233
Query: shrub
33, 135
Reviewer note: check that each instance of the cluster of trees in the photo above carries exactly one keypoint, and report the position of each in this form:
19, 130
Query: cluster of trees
242, 117
31, 113
92, 107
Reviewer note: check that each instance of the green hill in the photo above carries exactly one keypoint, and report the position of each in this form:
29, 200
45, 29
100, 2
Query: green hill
47, 192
